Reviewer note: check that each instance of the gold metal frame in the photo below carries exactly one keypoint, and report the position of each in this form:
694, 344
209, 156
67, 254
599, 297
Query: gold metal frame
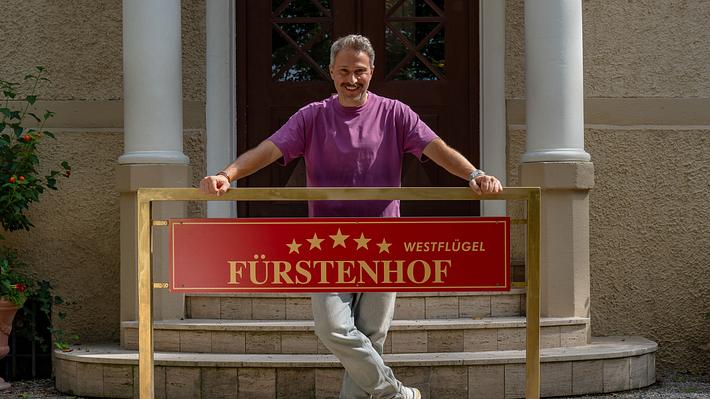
146, 196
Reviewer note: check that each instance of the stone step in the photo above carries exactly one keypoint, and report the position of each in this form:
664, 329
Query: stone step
607, 365
425, 305
405, 336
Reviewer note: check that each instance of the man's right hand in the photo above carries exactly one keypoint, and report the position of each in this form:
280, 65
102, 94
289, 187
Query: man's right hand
214, 184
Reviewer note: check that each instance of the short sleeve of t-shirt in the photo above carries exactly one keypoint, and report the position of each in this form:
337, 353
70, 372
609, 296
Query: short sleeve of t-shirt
417, 135
291, 137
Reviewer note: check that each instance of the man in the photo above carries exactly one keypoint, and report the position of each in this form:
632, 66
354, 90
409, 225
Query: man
354, 139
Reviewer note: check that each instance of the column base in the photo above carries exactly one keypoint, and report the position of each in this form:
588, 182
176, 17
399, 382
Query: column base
564, 249
129, 179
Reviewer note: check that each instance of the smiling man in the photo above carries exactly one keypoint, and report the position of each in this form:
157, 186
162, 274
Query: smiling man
354, 139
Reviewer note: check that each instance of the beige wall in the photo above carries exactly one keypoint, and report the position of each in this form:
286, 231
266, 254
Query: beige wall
75, 241
647, 89
80, 42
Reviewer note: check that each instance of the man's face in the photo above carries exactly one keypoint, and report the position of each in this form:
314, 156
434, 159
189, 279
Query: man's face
351, 73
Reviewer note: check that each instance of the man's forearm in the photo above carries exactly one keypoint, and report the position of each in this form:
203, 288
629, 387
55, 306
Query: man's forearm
253, 160
449, 159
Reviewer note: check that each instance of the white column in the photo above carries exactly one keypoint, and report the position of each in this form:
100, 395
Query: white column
152, 83
493, 133
220, 108
554, 81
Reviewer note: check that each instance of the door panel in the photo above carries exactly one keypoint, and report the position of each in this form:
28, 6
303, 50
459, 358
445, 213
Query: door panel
426, 56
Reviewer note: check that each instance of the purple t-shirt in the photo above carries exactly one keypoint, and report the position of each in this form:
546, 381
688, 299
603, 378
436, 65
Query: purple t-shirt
353, 147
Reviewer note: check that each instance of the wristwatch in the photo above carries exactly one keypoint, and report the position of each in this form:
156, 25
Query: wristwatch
473, 175
223, 173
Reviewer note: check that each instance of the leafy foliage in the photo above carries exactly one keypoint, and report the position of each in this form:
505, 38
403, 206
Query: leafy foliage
20, 182
21, 185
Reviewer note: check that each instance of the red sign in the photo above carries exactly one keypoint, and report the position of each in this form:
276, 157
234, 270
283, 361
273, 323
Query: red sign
340, 255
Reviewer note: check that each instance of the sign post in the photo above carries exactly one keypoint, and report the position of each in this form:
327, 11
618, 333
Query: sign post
391, 257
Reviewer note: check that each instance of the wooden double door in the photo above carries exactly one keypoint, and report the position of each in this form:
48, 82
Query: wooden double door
426, 55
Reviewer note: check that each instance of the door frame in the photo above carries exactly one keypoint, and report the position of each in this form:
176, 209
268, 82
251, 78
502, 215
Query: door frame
221, 131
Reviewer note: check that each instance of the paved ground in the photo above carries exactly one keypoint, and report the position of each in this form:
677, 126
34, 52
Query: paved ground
677, 386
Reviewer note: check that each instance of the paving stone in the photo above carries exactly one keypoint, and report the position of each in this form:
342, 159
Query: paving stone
449, 382
575, 335
235, 308
511, 339
410, 308
475, 307
409, 341
485, 382
514, 381
328, 382
295, 383
118, 381
90, 379
204, 307
442, 307
485, 339
556, 379
130, 338
638, 371
195, 341
66, 376
445, 341
298, 309
259, 342
651, 368
587, 377
299, 342
549, 337
257, 383
182, 382
166, 340
228, 342
505, 305
616, 374
220, 383
269, 309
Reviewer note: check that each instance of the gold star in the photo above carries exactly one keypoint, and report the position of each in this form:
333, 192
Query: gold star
339, 239
315, 241
362, 241
293, 246
384, 246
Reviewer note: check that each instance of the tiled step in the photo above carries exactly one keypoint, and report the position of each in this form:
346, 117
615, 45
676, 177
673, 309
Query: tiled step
405, 336
607, 365
431, 305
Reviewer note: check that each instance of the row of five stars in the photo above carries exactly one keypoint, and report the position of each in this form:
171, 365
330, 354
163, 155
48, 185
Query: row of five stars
338, 241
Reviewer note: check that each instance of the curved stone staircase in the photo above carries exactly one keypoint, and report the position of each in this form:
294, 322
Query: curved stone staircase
450, 345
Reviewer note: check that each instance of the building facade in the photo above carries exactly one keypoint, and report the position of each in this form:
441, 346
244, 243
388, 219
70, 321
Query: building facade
633, 194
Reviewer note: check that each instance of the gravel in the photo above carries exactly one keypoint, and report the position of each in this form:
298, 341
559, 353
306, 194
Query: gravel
670, 386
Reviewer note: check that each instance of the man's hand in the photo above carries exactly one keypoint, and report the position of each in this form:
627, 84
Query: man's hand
214, 184
486, 185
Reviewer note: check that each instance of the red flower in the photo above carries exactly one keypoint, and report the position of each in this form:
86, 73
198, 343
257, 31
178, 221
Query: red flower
12, 179
22, 178
27, 138
20, 287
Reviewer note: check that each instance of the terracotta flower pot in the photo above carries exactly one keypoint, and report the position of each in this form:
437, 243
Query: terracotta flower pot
7, 314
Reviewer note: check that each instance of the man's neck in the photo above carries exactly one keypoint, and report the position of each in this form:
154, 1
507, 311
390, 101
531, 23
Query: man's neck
353, 104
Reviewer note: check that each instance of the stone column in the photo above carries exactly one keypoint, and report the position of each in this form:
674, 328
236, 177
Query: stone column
555, 159
153, 154
221, 95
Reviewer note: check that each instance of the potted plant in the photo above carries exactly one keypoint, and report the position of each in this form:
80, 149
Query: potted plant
21, 184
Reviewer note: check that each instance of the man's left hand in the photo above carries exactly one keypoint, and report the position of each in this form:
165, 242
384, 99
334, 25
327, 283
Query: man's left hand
486, 185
